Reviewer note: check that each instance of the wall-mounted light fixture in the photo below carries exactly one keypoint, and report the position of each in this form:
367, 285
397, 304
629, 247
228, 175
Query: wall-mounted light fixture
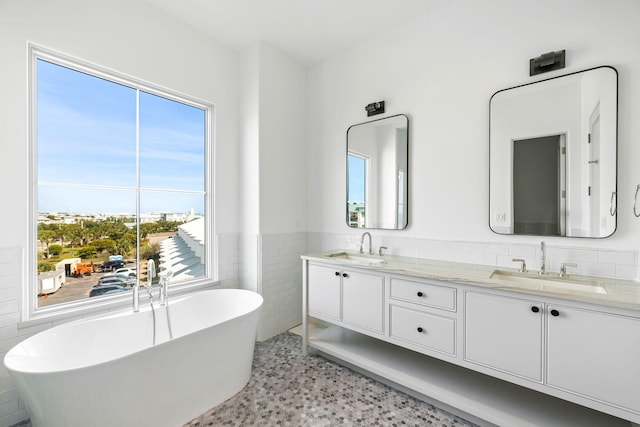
546, 62
375, 108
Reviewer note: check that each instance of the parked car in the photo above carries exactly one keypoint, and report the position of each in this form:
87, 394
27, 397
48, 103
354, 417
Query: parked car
106, 289
118, 279
112, 265
117, 275
131, 271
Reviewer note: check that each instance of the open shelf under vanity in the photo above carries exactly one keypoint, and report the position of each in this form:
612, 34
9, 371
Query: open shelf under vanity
479, 398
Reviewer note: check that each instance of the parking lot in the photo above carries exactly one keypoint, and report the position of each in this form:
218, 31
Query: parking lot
75, 288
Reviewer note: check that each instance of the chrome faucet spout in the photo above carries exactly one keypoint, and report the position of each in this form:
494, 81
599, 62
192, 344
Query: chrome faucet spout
366, 233
543, 258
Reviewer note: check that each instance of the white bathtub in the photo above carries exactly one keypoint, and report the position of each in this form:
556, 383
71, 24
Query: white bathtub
106, 372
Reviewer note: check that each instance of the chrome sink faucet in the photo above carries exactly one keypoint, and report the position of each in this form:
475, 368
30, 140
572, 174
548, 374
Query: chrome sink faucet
543, 258
563, 268
366, 233
523, 264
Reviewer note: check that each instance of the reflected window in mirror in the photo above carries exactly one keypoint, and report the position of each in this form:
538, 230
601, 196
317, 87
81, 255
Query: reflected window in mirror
553, 156
356, 190
377, 173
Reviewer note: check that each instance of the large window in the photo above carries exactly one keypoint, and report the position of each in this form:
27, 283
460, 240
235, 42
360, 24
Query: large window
120, 188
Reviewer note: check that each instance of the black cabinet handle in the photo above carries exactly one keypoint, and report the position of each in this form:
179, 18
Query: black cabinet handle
420, 294
420, 329
555, 313
345, 275
337, 273
535, 309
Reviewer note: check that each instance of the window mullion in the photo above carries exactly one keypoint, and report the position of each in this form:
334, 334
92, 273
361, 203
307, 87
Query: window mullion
138, 260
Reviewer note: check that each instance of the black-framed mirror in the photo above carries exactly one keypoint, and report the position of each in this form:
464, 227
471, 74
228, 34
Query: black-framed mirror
553, 156
378, 173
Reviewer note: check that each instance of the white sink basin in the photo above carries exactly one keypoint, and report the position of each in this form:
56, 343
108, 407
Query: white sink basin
548, 283
357, 259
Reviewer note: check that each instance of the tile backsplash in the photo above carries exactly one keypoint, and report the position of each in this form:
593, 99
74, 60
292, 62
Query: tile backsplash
590, 261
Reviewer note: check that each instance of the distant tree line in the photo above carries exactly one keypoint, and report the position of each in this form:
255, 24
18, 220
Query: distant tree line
91, 239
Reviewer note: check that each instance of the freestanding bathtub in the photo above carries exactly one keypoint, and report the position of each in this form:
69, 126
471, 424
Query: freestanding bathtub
106, 371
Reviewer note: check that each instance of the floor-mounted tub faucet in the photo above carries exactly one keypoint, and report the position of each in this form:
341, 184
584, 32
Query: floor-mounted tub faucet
151, 272
543, 258
366, 233
164, 285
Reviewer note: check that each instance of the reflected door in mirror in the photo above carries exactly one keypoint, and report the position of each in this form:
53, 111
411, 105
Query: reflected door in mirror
538, 186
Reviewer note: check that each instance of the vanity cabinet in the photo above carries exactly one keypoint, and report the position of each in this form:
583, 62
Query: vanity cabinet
406, 328
594, 354
504, 333
346, 296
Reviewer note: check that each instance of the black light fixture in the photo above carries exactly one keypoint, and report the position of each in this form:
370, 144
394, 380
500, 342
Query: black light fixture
546, 62
374, 108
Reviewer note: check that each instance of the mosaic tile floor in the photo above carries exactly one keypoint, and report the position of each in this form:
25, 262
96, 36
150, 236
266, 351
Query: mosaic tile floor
288, 389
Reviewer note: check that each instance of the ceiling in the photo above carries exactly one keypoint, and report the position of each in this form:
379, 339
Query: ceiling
307, 30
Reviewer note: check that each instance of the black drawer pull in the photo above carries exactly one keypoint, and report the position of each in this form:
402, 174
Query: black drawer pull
535, 309
420, 294
337, 273
420, 329
555, 313
345, 275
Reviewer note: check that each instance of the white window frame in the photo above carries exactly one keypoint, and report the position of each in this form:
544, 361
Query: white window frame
30, 313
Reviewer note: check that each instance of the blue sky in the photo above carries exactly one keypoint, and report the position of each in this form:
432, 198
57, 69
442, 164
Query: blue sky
86, 134
357, 178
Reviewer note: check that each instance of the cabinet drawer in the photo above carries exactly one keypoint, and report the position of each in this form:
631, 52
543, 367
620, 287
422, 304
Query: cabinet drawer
424, 294
423, 329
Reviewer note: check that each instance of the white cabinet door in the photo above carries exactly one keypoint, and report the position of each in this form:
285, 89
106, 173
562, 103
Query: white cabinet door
504, 333
324, 291
594, 354
363, 300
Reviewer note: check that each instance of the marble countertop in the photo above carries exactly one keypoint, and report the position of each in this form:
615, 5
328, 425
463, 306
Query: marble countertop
624, 294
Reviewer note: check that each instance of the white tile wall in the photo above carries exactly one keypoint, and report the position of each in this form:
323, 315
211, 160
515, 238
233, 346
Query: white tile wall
228, 259
280, 282
248, 262
12, 408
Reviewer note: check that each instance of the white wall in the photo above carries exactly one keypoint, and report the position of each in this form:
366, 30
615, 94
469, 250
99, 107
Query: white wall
442, 71
272, 170
249, 167
130, 37
282, 143
281, 190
